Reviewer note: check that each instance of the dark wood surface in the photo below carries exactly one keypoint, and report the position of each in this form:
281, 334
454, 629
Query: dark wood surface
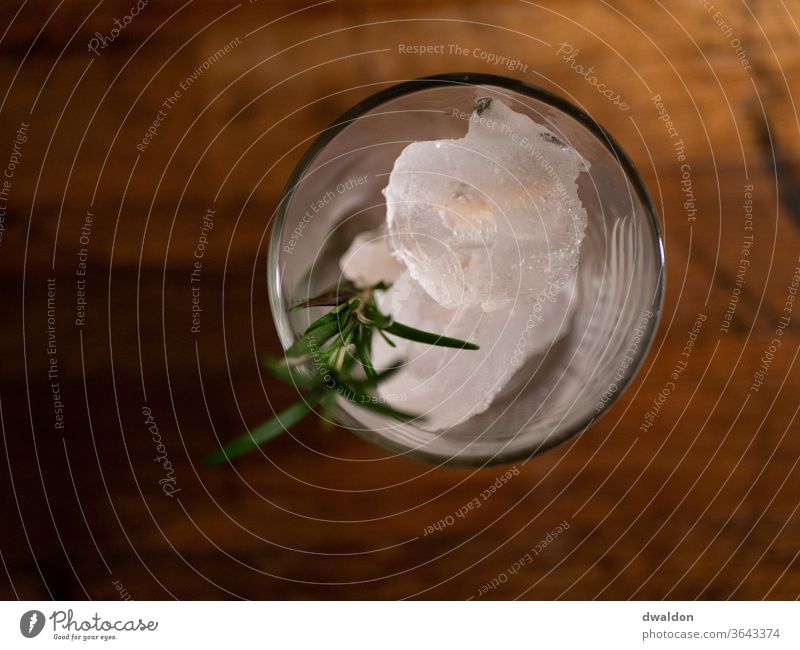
703, 505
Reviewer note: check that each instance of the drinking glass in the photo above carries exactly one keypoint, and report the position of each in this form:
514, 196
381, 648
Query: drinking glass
335, 193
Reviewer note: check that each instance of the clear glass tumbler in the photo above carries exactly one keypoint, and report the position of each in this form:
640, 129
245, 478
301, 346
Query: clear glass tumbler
335, 193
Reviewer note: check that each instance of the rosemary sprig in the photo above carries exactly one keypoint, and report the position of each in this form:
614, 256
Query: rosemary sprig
333, 359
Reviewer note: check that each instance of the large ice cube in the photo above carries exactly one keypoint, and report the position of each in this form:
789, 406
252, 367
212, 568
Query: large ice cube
487, 230
490, 218
448, 386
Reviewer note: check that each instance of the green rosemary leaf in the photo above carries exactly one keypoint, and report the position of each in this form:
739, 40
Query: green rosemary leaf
314, 337
387, 339
373, 403
374, 317
266, 431
330, 298
337, 343
339, 359
328, 410
327, 356
412, 334
346, 334
371, 382
338, 314
364, 351
288, 374
330, 317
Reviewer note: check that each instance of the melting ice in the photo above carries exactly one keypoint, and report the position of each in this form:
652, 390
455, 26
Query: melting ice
481, 240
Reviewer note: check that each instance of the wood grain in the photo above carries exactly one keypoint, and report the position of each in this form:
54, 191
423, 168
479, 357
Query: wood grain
704, 504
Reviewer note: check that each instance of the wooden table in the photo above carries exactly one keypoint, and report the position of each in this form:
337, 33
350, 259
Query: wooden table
114, 176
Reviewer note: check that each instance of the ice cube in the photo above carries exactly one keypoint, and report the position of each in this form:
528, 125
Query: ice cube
491, 218
448, 386
486, 230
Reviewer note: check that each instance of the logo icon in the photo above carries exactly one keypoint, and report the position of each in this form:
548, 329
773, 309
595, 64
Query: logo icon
31, 623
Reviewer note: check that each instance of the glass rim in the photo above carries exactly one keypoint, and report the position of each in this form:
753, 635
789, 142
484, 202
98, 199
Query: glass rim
278, 307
